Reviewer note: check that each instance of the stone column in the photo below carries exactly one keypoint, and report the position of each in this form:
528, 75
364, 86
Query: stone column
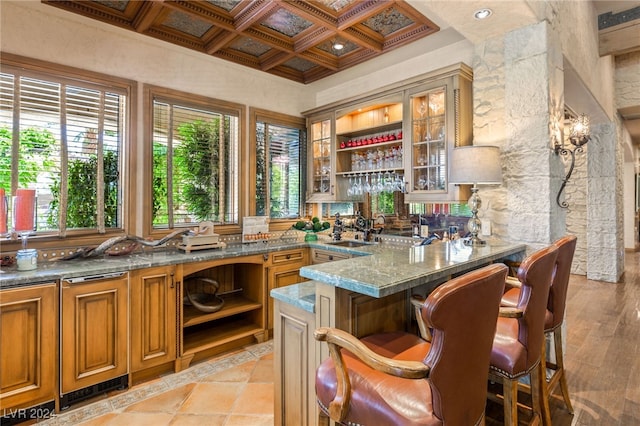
534, 103
605, 243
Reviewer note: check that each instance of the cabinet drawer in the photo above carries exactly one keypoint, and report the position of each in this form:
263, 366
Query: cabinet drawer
280, 257
323, 256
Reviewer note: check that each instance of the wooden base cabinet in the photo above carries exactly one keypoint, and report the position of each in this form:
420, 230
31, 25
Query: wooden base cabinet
295, 363
94, 327
241, 321
284, 270
153, 308
28, 341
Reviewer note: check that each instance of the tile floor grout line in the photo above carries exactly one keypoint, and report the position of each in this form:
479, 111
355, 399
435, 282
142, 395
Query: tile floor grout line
194, 374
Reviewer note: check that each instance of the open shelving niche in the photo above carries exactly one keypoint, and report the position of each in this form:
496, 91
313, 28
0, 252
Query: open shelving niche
361, 129
242, 317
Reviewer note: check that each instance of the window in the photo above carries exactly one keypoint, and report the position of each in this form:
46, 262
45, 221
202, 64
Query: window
194, 157
62, 134
279, 148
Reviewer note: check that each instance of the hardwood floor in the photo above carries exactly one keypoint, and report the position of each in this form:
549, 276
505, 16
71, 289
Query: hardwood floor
602, 360
602, 355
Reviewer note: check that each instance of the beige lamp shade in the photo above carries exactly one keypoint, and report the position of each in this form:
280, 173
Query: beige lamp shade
476, 164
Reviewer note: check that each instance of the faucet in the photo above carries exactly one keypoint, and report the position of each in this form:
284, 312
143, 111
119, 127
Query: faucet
430, 239
338, 228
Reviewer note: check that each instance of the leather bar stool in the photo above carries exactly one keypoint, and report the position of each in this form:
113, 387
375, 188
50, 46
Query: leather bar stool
554, 317
400, 379
518, 342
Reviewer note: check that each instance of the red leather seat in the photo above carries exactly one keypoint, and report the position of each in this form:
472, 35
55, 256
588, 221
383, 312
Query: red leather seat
518, 342
400, 379
554, 316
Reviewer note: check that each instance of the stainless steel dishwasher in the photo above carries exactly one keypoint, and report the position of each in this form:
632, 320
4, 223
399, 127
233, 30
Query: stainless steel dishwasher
94, 337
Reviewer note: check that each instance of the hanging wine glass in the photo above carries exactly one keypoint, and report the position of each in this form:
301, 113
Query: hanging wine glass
367, 185
350, 187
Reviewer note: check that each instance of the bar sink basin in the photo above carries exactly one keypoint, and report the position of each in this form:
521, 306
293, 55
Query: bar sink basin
349, 243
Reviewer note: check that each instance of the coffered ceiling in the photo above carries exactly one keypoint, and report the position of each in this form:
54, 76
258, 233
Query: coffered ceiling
294, 39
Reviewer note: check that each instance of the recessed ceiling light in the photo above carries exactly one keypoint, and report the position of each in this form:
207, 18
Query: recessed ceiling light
338, 45
482, 13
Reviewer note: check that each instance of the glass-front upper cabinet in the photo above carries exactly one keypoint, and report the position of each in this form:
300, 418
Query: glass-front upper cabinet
438, 118
321, 186
369, 147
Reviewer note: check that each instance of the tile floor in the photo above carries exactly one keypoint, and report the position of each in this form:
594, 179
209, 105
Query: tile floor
232, 390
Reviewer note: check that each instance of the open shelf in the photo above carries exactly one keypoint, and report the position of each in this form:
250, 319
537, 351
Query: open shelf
232, 306
363, 131
197, 339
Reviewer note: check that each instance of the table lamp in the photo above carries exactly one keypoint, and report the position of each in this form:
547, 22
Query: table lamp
474, 165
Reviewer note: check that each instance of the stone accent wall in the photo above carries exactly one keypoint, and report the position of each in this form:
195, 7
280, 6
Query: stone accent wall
489, 128
534, 87
605, 257
575, 194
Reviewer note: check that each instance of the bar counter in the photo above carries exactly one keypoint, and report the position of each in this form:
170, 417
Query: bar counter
366, 294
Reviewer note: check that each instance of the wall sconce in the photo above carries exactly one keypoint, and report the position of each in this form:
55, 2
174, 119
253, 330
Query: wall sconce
578, 136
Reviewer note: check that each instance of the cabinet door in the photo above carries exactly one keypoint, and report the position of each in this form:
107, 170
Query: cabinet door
94, 332
28, 339
153, 317
321, 174
281, 276
438, 117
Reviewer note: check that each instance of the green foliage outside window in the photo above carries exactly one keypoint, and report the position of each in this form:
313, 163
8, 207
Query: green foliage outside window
82, 193
196, 163
34, 156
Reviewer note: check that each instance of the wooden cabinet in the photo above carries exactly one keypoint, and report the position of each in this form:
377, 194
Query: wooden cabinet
241, 320
397, 140
94, 331
438, 119
323, 256
321, 171
295, 364
283, 270
28, 342
153, 296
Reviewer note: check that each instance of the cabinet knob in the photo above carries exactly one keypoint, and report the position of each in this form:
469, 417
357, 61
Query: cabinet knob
330, 257
288, 256
172, 281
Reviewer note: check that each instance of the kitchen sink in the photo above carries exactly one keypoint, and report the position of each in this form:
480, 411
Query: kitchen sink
349, 243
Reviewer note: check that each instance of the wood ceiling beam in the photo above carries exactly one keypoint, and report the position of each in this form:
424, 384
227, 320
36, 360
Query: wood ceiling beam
623, 38
312, 13
219, 40
147, 15
363, 36
202, 13
273, 59
253, 12
312, 38
362, 11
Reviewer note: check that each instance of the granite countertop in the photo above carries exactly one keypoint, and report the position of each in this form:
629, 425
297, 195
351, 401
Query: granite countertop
48, 271
54, 270
391, 269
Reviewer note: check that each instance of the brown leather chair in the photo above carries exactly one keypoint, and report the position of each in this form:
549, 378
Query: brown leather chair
400, 379
517, 346
554, 316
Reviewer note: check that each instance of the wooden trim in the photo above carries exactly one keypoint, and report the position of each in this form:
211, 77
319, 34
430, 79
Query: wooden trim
71, 75
262, 115
197, 101
620, 39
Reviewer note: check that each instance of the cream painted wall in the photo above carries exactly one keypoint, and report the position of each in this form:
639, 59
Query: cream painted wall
436, 51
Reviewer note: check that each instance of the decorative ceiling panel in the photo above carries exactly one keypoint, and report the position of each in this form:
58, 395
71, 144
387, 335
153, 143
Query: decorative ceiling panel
293, 39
